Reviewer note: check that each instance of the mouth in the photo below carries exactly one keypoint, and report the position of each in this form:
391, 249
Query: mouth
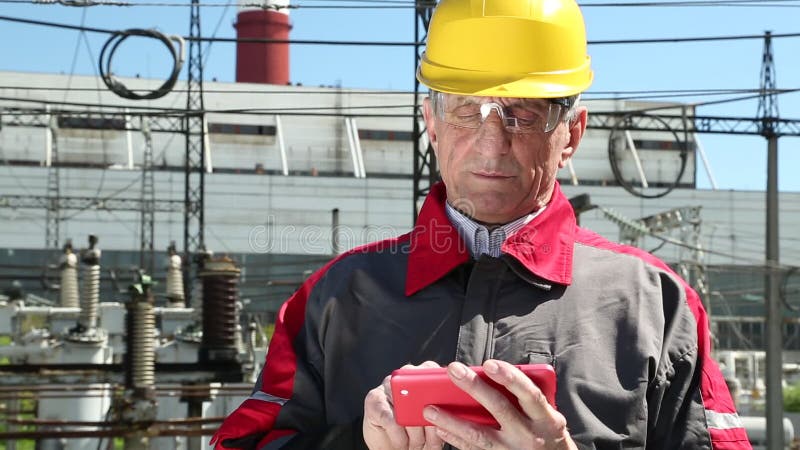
491, 174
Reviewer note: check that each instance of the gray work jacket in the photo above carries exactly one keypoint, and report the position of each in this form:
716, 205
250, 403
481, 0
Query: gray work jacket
627, 337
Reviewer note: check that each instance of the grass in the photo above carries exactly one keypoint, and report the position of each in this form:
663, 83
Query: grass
4, 342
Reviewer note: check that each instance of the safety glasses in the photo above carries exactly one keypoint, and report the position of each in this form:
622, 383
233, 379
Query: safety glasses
518, 115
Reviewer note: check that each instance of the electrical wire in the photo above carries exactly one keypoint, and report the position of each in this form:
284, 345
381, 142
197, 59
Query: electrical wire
169, 112
695, 3
589, 95
207, 52
688, 39
260, 5
615, 95
622, 126
707, 103
75, 55
210, 229
104, 142
756, 94
118, 38
371, 4
294, 111
405, 44
330, 91
768, 266
111, 196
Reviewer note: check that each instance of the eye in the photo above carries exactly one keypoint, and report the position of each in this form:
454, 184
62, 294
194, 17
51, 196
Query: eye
467, 110
525, 113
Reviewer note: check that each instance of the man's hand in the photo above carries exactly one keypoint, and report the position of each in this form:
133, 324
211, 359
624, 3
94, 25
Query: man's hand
537, 426
381, 431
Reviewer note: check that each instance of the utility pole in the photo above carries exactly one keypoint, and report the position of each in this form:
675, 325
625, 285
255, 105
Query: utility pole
195, 163
768, 113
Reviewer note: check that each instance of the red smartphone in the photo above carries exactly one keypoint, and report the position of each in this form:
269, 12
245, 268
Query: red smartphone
413, 389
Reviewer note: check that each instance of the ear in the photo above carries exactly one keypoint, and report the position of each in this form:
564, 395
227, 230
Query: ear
576, 129
430, 122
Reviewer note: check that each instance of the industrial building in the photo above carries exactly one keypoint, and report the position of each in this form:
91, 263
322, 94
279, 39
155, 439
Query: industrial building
292, 176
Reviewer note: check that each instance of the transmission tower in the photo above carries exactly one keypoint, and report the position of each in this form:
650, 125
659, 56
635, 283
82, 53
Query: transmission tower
768, 99
53, 185
193, 240
425, 171
146, 255
768, 116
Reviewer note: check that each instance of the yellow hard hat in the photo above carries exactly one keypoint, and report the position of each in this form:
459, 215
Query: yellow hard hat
506, 48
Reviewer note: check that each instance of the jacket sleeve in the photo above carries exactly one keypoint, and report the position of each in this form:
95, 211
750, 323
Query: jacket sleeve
253, 422
689, 398
286, 408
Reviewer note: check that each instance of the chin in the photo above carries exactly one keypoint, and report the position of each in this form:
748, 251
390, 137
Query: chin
495, 211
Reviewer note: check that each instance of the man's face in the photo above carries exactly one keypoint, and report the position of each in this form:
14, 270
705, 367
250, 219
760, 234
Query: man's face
496, 176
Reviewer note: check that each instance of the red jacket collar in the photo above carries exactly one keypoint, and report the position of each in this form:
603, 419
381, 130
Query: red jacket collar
544, 246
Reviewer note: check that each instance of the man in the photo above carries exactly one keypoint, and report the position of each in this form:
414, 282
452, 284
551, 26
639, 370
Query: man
495, 273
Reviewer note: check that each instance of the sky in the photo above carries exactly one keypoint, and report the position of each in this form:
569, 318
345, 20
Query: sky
737, 162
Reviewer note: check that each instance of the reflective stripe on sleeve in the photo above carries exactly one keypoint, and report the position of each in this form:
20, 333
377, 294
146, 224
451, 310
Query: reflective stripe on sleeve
264, 397
722, 421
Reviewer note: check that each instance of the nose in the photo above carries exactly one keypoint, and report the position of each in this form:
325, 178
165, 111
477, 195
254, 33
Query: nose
492, 137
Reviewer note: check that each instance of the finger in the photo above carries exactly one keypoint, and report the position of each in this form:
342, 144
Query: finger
506, 414
532, 400
429, 365
416, 438
546, 421
387, 386
432, 440
379, 420
460, 433
457, 441
425, 365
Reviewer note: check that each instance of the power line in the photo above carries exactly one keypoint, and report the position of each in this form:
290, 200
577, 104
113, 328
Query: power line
150, 110
311, 111
265, 6
305, 91
689, 39
768, 265
708, 103
609, 95
399, 43
374, 4
207, 52
697, 3
616, 95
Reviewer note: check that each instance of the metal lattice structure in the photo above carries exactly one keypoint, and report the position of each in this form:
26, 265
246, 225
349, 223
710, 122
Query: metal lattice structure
651, 121
195, 161
86, 203
104, 118
768, 99
425, 172
52, 220
147, 231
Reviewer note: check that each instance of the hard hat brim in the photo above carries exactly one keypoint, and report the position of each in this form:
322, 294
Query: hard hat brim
491, 84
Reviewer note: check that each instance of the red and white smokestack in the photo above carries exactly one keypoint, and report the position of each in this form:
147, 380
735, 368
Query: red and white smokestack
258, 62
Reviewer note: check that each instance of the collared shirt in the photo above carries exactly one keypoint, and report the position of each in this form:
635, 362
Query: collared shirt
478, 238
